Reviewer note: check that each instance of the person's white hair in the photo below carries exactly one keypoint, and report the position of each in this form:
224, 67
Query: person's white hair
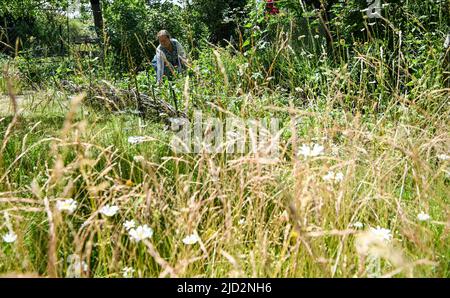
163, 33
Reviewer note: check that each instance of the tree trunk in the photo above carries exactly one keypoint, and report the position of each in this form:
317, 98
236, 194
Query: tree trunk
447, 61
98, 18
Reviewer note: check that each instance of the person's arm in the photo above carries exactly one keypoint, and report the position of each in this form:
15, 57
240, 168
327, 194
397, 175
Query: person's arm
181, 52
159, 65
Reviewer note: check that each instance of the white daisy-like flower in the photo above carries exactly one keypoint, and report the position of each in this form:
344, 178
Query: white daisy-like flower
329, 176
108, 210
381, 233
67, 205
10, 237
313, 151
304, 150
141, 233
136, 140
129, 224
317, 150
191, 239
358, 225
127, 272
443, 157
423, 216
338, 177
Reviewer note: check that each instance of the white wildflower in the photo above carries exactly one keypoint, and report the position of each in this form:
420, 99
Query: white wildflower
381, 233
304, 150
10, 237
141, 233
423, 216
339, 177
129, 224
443, 157
313, 151
127, 272
376, 245
241, 221
191, 239
329, 176
108, 210
67, 205
358, 225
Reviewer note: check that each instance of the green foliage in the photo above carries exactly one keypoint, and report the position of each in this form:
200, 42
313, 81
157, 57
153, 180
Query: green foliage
373, 98
221, 16
131, 27
26, 27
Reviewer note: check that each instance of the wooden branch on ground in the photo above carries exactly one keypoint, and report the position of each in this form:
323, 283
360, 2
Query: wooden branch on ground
122, 99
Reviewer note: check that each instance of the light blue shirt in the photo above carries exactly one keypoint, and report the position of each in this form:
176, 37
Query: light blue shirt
160, 59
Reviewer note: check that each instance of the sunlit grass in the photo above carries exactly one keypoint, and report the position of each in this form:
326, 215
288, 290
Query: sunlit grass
252, 219
360, 188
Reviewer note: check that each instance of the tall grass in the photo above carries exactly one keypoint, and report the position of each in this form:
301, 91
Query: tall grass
253, 217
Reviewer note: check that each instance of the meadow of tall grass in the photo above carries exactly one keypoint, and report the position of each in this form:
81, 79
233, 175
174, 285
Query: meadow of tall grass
80, 198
